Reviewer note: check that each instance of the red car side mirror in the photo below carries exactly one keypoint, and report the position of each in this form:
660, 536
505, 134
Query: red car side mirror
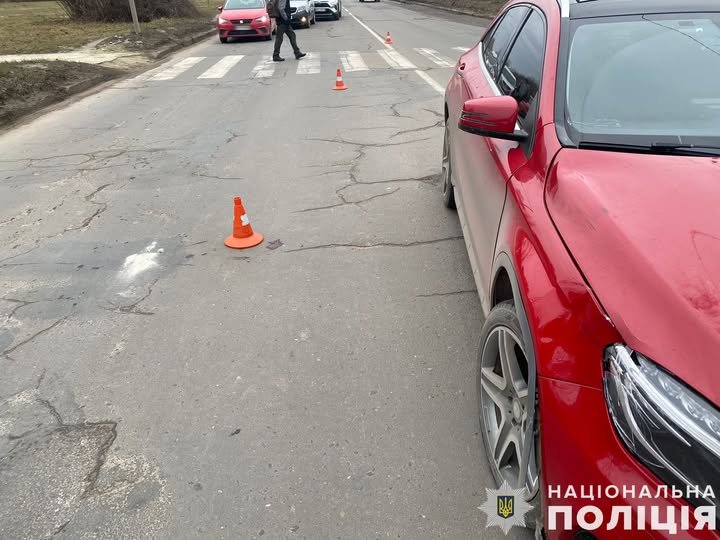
494, 117
220, 8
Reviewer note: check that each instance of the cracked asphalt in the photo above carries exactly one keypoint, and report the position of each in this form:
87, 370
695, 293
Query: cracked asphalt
321, 385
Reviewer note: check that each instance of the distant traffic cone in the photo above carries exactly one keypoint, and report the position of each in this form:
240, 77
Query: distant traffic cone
339, 83
388, 39
243, 235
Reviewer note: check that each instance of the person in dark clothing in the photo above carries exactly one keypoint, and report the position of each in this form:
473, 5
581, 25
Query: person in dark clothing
284, 26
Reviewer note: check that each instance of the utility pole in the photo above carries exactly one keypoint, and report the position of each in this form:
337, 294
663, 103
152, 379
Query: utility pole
133, 12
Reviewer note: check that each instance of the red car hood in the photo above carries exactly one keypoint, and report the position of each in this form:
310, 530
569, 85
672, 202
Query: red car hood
645, 232
234, 14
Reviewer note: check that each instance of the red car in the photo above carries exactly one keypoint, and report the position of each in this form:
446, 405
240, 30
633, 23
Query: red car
244, 18
582, 151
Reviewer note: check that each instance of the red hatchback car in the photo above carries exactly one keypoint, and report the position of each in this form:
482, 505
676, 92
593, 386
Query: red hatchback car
244, 18
582, 150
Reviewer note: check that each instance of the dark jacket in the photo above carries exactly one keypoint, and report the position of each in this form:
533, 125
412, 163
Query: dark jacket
284, 9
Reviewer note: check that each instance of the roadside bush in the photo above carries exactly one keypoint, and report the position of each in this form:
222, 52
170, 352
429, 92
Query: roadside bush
119, 10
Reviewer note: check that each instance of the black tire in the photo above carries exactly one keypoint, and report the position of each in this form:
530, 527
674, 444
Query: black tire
448, 189
268, 38
223, 40
503, 317
337, 17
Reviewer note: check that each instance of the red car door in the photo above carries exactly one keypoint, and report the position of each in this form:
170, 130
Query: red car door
483, 165
479, 170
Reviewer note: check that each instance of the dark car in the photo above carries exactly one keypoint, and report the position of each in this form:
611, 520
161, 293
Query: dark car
328, 8
302, 13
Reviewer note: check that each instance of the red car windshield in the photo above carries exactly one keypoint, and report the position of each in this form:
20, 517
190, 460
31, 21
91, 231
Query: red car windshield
644, 79
244, 4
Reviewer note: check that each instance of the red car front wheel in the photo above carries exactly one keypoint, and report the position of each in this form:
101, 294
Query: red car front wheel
506, 407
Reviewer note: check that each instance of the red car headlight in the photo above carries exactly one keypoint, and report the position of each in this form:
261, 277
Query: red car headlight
670, 428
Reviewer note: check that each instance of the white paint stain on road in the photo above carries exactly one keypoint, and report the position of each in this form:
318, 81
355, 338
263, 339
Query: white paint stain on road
137, 263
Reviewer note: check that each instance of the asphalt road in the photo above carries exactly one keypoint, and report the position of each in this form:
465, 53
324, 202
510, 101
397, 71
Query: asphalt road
156, 384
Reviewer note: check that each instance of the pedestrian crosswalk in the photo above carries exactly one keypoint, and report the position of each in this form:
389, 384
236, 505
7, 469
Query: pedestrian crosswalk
175, 70
352, 61
395, 59
309, 65
264, 68
214, 68
435, 57
221, 67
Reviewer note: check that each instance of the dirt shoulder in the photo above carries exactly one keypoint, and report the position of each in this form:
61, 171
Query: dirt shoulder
29, 86
172, 32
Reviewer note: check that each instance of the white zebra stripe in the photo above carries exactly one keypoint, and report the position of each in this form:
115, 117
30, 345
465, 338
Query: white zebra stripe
352, 61
395, 60
177, 69
434, 57
264, 68
309, 65
221, 67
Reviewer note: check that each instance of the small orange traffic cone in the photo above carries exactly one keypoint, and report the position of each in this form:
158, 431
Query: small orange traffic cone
339, 83
243, 235
388, 39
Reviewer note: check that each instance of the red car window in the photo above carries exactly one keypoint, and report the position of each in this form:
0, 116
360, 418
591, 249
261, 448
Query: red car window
496, 44
520, 75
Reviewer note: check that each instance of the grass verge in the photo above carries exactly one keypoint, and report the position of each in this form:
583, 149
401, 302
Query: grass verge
41, 27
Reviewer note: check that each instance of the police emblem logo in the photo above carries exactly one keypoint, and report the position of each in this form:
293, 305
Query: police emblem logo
505, 506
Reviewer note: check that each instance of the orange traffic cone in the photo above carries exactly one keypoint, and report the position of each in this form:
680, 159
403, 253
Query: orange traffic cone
339, 83
388, 39
243, 235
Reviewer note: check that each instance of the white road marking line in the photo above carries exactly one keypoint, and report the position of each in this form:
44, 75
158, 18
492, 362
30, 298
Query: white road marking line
177, 69
264, 68
461, 49
150, 73
396, 60
309, 65
352, 61
424, 76
433, 56
221, 67
366, 27
428, 79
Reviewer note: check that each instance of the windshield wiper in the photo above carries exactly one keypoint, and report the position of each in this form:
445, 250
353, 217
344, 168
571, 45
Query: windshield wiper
601, 145
653, 148
685, 147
